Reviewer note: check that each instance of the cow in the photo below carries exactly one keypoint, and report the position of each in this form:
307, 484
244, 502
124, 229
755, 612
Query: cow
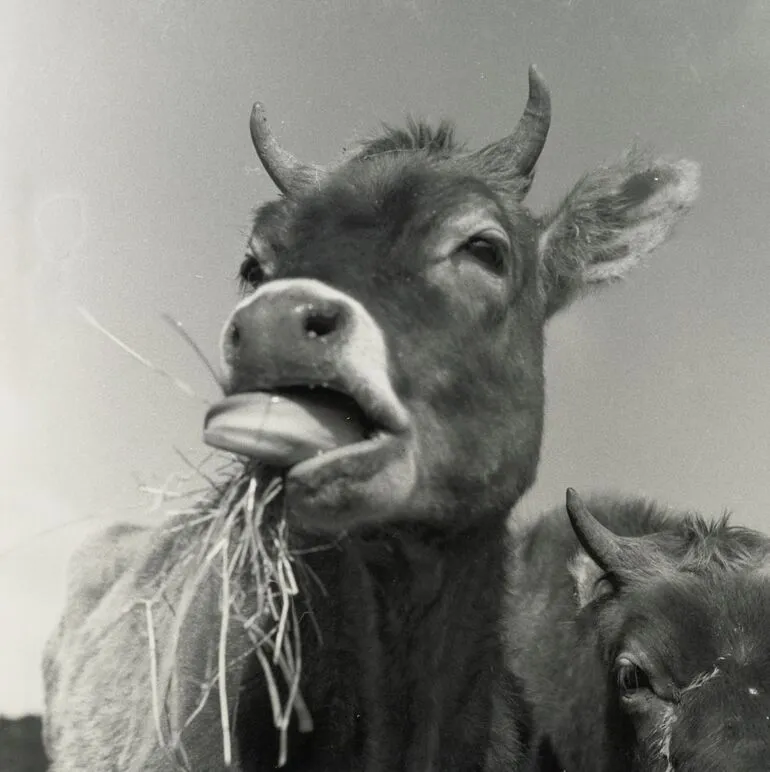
638, 640
399, 299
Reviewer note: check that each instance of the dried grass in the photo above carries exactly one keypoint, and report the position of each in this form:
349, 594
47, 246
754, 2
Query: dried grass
242, 537
180, 384
236, 520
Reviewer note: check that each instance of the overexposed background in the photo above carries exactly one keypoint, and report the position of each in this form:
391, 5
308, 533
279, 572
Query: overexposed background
127, 177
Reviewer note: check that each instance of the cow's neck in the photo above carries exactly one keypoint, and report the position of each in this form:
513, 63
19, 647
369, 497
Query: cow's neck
413, 619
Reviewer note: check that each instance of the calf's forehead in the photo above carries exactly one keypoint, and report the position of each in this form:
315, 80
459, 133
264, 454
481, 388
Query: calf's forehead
696, 622
377, 214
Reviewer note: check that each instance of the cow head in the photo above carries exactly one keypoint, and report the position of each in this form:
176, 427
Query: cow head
683, 621
405, 292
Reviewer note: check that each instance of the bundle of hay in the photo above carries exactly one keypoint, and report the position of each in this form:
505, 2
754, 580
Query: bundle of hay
159, 622
239, 532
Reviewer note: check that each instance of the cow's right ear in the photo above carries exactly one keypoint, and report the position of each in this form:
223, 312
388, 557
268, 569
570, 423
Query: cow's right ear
589, 579
612, 218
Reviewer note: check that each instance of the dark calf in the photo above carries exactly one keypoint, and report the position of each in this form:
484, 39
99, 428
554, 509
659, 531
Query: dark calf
642, 644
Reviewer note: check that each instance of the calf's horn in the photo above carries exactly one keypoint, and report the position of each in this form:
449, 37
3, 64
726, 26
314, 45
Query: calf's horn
613, 553
522, 148
287, 172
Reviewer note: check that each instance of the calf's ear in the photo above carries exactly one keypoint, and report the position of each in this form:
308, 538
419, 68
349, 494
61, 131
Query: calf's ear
588, 579
611, 219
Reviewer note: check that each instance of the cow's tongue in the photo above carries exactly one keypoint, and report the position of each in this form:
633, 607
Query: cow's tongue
283, 429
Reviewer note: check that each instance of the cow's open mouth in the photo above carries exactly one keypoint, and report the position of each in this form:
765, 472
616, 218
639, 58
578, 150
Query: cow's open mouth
300, 423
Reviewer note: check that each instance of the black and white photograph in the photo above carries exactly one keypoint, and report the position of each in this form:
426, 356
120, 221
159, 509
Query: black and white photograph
385, 386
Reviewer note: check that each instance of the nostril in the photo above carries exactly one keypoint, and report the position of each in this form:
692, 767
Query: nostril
321, 323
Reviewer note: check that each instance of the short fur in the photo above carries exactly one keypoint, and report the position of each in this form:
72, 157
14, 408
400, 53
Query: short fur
438, 141
96, 666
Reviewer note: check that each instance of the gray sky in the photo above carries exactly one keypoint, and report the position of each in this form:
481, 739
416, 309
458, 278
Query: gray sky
126, 181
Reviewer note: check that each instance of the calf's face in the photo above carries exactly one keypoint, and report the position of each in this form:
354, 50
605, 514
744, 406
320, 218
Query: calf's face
426, 311
407, 291
684, 632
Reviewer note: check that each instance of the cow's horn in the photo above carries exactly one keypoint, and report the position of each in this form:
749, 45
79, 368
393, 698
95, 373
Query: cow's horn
287, 172
610, 551
522, 148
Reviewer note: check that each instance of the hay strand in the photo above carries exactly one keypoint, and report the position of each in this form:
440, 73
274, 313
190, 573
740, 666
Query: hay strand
224, 714
153, 669
178, 327
180, 384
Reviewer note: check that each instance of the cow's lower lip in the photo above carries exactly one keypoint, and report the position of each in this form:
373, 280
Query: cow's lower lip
366, 482
324, 461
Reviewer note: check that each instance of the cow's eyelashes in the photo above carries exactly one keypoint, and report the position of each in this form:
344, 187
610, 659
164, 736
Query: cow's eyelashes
488, 250
631, 679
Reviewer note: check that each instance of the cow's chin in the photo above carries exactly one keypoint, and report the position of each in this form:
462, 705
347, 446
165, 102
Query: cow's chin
363, 483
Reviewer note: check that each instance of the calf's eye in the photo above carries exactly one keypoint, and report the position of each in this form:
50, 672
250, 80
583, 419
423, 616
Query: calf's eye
631, 679
251, 272
489, 252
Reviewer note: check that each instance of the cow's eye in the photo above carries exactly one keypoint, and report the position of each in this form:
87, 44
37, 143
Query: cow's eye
251, 272
489, 251
631, 679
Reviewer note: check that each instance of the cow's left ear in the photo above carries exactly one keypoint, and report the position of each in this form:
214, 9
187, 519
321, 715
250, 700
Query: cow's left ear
588, 578
612, 218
